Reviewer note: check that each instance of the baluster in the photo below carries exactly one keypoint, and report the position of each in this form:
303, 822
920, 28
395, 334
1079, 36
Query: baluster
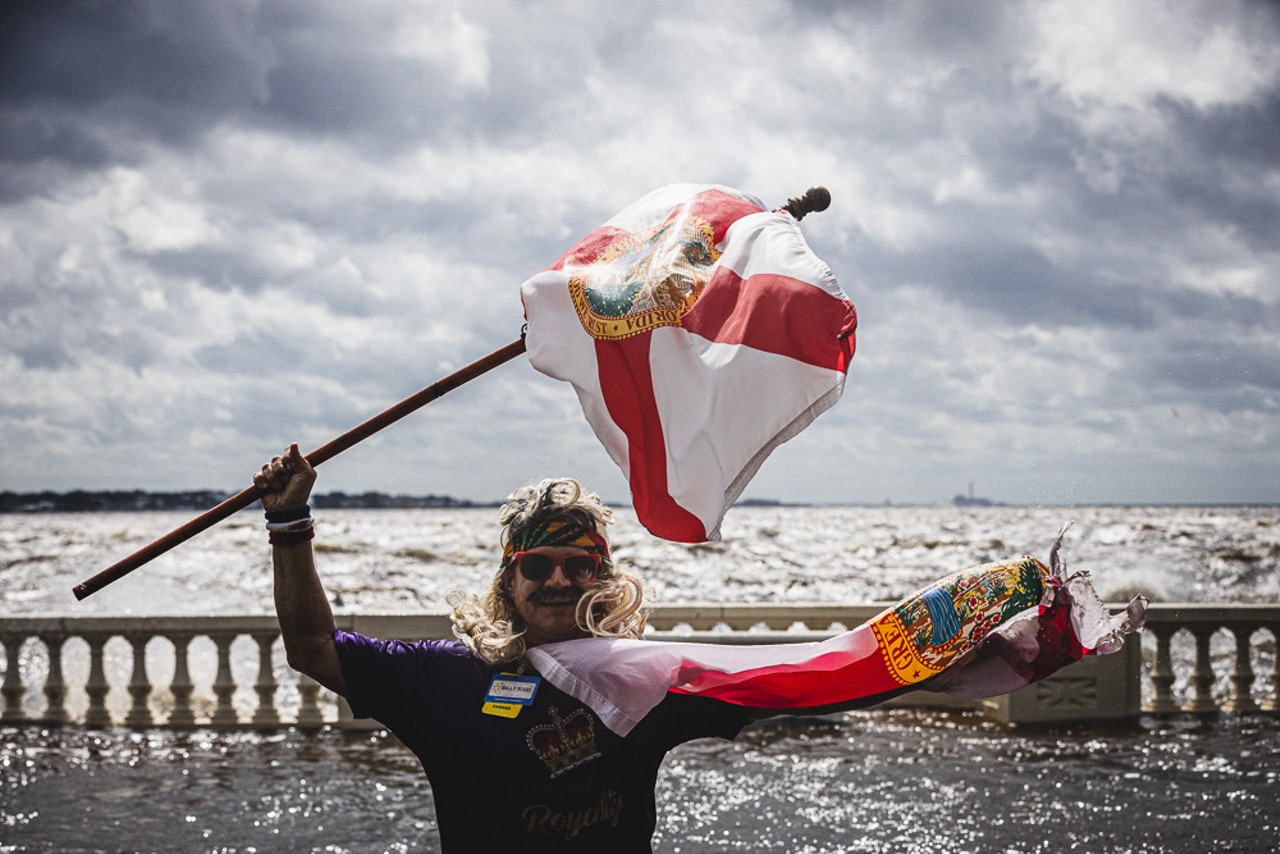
182, 716
1241, 699
266, 715
12, 688
1162, 675
139, 685
97, 687
345, 717
1202, 676
55, 687
309, 716
224, 715
1272, 703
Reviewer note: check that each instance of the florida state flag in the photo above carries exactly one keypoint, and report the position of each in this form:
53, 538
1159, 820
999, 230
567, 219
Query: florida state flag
700, 332
982, 632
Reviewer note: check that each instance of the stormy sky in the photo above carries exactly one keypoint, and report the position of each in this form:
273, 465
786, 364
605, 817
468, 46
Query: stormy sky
224, 226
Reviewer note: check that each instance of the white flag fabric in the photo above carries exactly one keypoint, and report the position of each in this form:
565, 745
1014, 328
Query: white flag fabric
699, 332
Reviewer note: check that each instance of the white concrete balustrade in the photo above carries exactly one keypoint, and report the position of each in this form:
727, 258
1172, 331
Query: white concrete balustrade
229, 672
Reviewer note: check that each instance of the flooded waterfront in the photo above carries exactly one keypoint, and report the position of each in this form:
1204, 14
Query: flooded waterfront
901, 781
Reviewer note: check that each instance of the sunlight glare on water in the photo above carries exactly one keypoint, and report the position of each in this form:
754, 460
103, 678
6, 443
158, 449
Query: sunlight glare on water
867, 781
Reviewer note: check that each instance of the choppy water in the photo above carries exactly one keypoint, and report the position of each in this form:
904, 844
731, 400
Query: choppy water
897, 781
877, 781
377, 560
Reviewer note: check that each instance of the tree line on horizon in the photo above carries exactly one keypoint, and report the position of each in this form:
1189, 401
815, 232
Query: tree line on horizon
137, 500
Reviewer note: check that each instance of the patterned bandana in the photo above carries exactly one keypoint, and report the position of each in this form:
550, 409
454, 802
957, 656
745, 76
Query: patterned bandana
557, 532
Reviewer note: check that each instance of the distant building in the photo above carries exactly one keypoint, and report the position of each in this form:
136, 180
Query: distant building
972, 500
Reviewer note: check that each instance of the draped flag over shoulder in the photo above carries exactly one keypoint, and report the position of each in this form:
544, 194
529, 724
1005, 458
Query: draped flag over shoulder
700, 332
980, 632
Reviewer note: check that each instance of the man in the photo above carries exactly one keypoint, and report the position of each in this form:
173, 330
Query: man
514, 763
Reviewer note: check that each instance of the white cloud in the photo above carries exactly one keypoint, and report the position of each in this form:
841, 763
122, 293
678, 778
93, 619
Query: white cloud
1121, 58
447, 41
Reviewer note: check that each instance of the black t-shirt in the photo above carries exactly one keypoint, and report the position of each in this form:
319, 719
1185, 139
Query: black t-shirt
552, 777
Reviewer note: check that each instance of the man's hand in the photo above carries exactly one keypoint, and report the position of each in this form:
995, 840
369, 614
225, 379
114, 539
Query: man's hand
287, 479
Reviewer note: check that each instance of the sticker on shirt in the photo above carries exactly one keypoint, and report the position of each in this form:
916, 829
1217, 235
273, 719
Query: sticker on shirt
509, 693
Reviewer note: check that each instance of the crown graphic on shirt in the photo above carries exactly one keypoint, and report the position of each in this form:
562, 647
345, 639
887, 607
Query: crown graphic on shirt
566, 742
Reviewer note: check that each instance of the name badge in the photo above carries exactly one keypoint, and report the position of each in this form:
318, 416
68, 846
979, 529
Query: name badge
509, 693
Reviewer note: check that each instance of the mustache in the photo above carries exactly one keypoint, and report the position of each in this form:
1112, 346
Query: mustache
548, 597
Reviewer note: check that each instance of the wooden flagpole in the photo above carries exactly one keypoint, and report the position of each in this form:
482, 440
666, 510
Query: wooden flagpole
325, 452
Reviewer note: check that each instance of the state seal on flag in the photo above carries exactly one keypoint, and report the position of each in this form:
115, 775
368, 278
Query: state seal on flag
645, 279
927, 632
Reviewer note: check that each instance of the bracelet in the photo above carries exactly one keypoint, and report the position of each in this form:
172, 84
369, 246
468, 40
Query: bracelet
290, 525
287, 527
289, 514
291, 538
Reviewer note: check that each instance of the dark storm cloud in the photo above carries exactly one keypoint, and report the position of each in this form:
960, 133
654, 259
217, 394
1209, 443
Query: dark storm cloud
327, 83
252, 354
1229, 153
1210, 167
217, 268
1241, 134
1020, 285
1216, 365
84, 54
41, 353
224, 269
1220, 314
32, 136
163, 70
86, 83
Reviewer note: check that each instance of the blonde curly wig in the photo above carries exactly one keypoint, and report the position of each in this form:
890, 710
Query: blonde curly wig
613, 606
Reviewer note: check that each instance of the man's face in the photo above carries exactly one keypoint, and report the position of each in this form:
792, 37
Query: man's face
548, 607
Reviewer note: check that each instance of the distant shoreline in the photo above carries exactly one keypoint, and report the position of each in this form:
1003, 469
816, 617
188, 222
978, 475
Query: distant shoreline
199, 500
137, 500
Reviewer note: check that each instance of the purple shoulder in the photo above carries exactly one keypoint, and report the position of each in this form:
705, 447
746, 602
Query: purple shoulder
437, 646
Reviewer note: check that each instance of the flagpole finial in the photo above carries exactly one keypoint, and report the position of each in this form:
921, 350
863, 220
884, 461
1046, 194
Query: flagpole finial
815, 199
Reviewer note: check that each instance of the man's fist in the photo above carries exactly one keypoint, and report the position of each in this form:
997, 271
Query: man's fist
287, 480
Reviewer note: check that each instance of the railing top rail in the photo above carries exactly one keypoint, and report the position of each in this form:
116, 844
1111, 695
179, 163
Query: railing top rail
663, 617
1234, 613
70, 624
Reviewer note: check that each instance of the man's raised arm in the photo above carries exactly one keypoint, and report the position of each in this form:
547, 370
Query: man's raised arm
306, 620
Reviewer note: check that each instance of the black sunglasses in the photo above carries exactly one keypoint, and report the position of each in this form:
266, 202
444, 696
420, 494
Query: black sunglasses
578, 568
